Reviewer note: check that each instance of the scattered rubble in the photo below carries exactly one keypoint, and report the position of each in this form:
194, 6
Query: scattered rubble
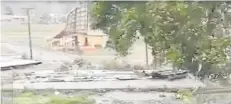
82, 75
97, 75
82, 71
170, 74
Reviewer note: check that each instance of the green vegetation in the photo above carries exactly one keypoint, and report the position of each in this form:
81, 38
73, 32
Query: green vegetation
186, 96
72, 100
27, 94
192, 35
31, 98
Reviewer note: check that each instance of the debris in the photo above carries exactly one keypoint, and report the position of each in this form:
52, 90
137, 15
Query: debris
170, 74
8, 63
29, 74
174, 77
126, 78
79, 62
56, 80
64, 67
162, 95
41, 76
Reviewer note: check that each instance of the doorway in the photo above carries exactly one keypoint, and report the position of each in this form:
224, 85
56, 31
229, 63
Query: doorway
86, 42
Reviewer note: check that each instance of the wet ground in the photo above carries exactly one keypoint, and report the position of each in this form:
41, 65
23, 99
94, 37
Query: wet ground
17, 44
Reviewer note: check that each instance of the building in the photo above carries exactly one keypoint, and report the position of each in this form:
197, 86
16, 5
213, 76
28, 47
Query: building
91, 40
77, 33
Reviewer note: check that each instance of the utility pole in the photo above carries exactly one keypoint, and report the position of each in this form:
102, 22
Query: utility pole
29, 31
146, 52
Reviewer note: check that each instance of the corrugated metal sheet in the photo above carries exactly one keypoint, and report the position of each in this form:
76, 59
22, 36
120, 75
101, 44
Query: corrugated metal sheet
6, 62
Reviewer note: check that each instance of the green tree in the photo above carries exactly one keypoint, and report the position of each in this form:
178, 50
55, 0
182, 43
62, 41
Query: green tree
189, 40
119, 20
188, 33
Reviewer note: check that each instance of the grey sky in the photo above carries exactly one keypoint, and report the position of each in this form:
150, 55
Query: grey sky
40, 7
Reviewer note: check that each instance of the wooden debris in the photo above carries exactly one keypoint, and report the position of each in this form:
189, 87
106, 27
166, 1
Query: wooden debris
169, 74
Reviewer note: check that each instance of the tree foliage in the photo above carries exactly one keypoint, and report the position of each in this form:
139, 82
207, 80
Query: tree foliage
190, 34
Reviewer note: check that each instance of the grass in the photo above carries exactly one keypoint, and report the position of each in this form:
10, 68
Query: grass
70, 100
31, 98
27, 94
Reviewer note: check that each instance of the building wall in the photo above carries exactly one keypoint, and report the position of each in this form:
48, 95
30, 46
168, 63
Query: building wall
92, 40
68, 42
